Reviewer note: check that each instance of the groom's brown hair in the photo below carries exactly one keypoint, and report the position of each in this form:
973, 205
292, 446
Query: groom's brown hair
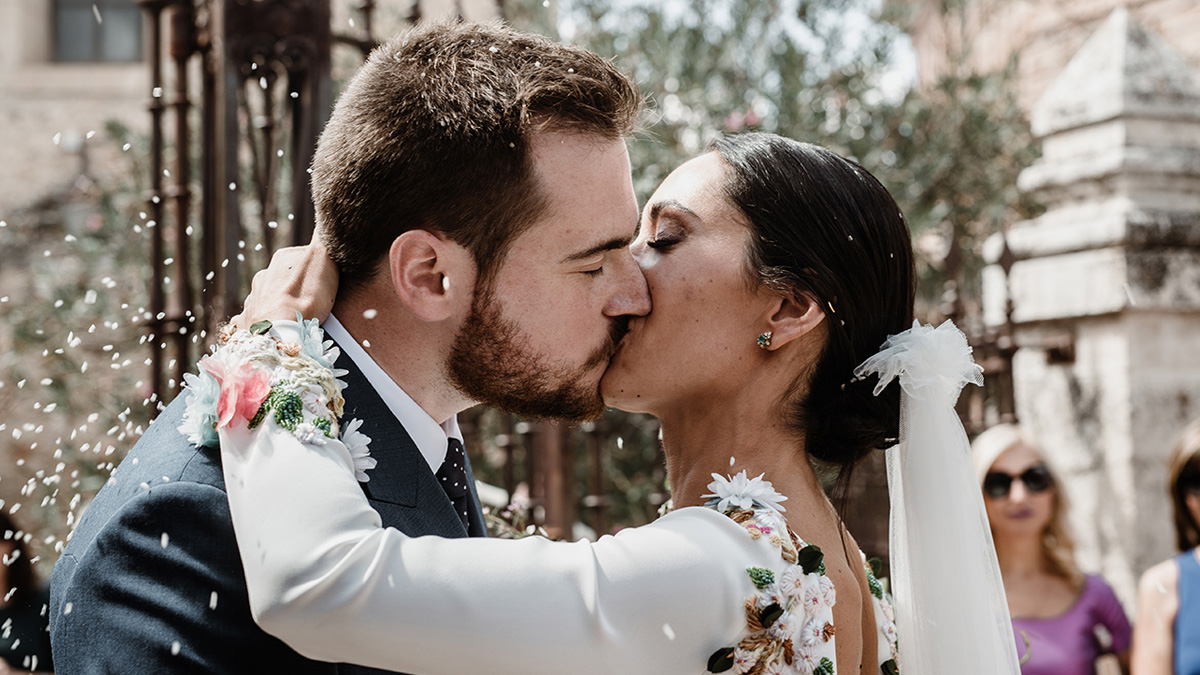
433, 133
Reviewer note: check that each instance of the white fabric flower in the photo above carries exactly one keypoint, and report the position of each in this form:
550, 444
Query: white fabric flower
813, 633
814, 600
885, 608
927, 361
794, 582
828, 592
783, 627
806, 658
356, 442
743, 660
200, 417
312, 343
307, 433
743, 493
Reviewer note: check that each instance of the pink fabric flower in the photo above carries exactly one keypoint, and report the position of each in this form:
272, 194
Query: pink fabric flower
243, 389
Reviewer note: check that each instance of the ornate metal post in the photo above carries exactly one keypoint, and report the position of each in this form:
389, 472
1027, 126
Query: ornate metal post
157, 338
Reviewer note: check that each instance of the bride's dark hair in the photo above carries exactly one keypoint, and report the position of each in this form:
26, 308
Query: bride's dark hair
824, 227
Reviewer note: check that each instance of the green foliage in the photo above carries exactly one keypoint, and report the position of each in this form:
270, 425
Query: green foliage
761, 576
826, 72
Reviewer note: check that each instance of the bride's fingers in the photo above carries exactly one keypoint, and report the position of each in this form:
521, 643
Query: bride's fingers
299, 279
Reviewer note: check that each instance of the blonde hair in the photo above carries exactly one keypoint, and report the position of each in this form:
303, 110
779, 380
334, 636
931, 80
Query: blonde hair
1058, 546
1184, 463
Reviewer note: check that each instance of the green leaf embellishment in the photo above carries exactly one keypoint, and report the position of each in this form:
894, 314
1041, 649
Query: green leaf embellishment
811, 559
761, 576
770, 614
889, 667
260, 327
721, 660
825, 668
874, 585
262, 410
876, 566
325, 425
289, 410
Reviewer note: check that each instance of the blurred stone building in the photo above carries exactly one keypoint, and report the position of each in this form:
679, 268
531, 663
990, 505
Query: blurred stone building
1105, 287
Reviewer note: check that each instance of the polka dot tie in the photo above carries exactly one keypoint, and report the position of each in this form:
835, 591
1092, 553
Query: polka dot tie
452, 476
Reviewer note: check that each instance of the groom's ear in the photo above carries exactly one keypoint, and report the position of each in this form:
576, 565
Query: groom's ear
432, 275
791, 318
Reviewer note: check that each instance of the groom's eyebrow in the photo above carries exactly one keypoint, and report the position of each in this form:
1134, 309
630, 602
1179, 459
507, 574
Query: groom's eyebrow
610, 245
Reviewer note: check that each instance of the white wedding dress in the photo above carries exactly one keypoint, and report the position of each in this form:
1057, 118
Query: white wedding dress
726, 587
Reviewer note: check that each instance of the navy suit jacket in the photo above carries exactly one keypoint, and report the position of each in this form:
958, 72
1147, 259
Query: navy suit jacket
151, 580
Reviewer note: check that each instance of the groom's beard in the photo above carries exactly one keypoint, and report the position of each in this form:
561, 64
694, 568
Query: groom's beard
491, 364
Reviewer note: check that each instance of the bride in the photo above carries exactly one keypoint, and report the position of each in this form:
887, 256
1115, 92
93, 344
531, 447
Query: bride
777, 270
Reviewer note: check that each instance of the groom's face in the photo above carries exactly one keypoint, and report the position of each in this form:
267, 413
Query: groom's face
542, 330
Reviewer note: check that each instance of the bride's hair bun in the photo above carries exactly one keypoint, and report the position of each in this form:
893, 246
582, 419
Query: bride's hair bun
825, 228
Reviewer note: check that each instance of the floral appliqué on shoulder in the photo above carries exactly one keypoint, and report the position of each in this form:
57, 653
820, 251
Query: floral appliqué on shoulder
789, 619
251, 374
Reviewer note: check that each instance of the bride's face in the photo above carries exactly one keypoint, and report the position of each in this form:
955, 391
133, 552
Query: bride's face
700, 338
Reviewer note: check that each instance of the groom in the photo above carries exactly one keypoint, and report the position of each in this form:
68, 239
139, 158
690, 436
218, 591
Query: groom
473, 188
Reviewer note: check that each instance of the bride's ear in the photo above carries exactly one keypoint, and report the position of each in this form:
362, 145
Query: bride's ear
432, 275
791, 318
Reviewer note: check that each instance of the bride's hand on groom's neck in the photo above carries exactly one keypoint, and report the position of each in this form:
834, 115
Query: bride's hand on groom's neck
299, 279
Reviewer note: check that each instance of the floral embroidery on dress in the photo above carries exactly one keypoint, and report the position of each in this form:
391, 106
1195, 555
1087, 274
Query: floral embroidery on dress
887, 625
251, 376
789, 619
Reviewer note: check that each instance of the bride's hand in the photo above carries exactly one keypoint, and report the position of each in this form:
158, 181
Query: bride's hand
299, 279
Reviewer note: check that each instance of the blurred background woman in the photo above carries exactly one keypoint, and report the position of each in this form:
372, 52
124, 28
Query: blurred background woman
1168, 634
1063, 619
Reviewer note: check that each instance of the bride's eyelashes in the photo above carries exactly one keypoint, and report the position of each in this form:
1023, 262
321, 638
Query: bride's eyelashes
667, 234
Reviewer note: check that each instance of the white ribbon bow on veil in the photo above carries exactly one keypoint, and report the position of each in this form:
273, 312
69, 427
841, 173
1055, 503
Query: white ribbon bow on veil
951, 613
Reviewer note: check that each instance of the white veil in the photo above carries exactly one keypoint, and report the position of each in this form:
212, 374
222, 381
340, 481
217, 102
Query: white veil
951, 613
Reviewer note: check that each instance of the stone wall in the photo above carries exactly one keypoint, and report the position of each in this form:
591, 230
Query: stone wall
1106, 289
1043, 34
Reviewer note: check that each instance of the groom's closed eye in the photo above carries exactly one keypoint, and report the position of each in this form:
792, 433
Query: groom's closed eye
613, 244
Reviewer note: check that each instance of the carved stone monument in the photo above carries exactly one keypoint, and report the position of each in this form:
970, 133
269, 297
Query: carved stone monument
1106, 290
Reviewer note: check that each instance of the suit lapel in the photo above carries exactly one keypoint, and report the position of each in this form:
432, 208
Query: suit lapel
401, 487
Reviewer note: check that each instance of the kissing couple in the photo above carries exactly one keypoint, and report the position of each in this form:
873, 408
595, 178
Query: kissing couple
479, 242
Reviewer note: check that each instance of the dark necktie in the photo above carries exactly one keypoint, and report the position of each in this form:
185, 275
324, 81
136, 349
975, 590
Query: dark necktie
453, 477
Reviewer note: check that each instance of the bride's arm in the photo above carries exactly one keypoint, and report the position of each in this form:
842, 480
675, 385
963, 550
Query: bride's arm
327, 579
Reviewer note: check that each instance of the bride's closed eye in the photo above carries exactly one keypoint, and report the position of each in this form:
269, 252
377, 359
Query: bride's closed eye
668, 233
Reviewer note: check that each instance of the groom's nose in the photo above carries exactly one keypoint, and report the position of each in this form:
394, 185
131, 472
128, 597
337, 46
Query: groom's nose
631, 295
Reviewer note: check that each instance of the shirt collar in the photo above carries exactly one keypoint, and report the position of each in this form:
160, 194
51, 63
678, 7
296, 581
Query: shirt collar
431, 438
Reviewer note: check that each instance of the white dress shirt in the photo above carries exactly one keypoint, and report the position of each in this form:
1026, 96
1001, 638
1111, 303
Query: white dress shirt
431, 438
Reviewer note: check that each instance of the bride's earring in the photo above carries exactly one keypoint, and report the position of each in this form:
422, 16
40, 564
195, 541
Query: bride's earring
764, 340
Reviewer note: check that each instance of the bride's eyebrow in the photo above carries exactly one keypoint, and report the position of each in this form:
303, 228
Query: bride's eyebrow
657, 207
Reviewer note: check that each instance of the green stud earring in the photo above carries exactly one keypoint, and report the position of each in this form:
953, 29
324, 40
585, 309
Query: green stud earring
764, 340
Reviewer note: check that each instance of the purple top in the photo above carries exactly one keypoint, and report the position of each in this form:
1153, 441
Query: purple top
1065, 644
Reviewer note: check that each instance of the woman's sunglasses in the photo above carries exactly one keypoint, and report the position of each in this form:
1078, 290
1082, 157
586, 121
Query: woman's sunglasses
1036, 478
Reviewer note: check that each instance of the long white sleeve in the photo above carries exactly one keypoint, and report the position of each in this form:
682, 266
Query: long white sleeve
326, 578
